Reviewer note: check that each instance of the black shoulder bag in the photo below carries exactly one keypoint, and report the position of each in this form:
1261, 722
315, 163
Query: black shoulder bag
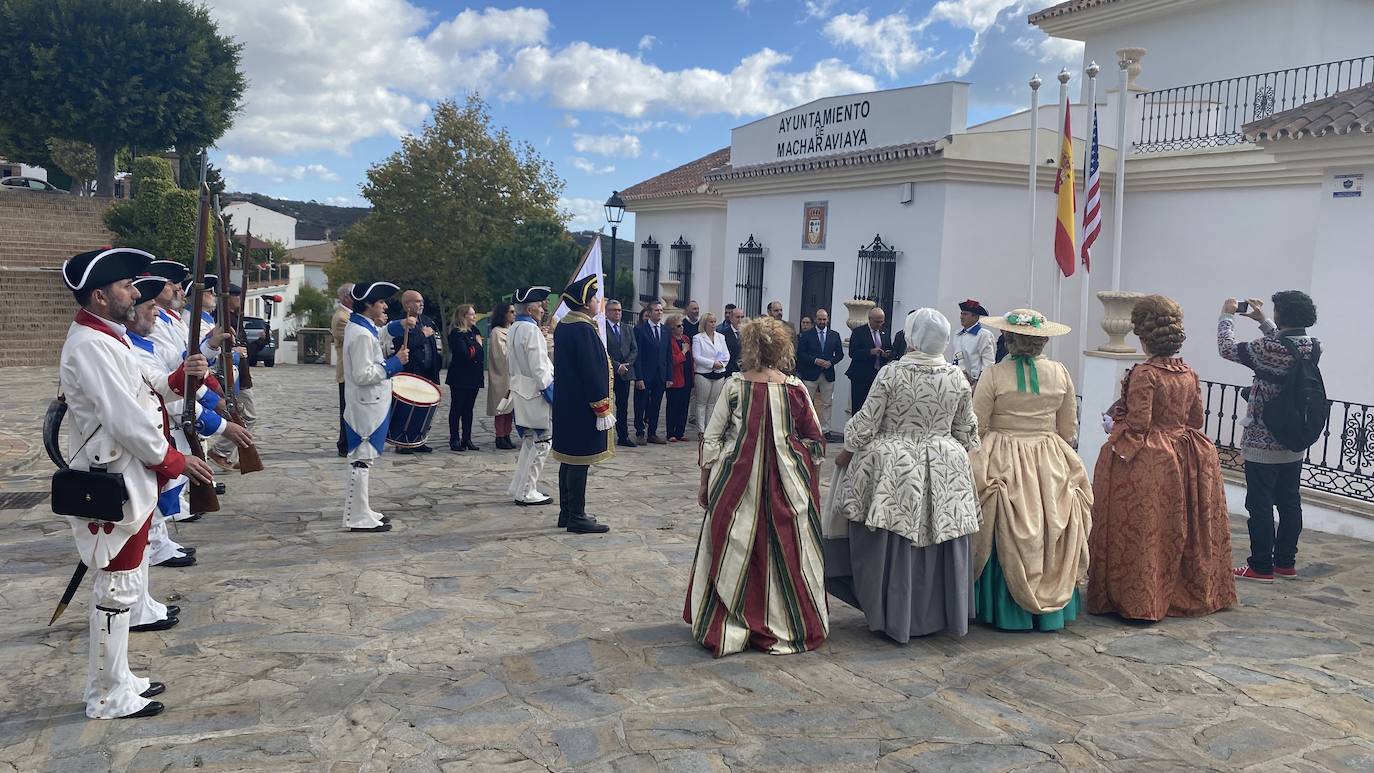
94, 494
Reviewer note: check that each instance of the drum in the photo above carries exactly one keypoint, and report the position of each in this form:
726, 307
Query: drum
414, 401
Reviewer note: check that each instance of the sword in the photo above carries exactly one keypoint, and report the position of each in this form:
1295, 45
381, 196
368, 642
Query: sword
72, 585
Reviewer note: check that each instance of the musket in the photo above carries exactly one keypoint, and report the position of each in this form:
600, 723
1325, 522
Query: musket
245, 374
249, 460
202, 495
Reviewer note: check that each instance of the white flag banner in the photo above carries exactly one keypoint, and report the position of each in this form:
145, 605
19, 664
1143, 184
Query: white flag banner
591, 265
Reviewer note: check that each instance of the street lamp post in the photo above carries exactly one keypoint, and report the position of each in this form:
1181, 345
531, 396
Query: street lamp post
615, 212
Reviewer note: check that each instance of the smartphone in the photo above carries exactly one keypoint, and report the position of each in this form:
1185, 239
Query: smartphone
1243, 307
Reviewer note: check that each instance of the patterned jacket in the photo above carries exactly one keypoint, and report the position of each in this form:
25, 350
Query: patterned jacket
1270, 360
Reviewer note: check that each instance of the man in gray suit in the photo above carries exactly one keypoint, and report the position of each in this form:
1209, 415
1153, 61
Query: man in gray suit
621, 346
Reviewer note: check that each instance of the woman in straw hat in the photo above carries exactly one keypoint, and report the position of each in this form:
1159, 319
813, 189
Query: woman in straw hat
1034, 494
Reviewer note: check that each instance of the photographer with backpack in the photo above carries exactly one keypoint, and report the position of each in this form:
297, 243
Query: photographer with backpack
1287, 411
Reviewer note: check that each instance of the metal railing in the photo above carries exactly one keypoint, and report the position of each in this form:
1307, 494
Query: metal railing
1340, 462
1213, 113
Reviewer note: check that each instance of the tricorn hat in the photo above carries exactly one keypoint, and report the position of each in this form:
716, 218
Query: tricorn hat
973, 307
170, 270
583, 291
149, 287
371, 292
1026, 322
530, 294
98, 268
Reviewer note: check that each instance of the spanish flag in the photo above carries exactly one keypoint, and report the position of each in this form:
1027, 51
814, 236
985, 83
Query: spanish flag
1065, 253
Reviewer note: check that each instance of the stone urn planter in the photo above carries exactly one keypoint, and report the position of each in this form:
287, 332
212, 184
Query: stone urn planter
668, 290
1116, 319
858, 312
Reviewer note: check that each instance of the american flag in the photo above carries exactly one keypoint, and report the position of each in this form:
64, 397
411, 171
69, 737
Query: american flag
1092, 205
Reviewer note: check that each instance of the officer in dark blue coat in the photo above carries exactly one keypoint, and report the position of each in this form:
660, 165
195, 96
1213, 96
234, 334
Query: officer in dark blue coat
583, 408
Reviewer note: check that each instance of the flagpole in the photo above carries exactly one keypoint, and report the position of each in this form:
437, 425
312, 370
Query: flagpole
1083, 301
1033, 167
1124, 63
1064, 77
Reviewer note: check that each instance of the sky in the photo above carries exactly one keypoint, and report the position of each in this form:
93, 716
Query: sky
611, 93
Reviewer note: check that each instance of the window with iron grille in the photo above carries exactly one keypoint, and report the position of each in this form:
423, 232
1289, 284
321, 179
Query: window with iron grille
648, 270
680, 268
876, 279
749, 278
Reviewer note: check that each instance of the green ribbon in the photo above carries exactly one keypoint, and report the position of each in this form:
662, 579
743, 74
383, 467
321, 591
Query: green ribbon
1025, 362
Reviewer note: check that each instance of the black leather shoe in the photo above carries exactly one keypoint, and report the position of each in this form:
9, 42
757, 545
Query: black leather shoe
562, 520
383, 527
504, 443
459, 447
151, 710
424, 450
154, 689
178, 561
190, 551
173, 610
585, 524
627, 443
160, 625
386, 519
400, 450
192, 519
471, 446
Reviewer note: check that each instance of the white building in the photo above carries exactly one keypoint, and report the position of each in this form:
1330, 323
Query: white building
891, 197
267, 224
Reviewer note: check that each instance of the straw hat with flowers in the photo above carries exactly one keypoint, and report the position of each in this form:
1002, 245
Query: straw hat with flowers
1026, 322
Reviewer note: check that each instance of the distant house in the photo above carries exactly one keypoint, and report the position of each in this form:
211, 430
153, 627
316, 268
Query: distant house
314, 257
266, 224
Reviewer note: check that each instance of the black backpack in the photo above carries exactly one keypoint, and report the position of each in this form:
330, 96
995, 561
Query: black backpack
1297, 415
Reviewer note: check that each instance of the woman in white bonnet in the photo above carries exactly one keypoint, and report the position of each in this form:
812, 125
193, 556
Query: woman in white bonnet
908, 493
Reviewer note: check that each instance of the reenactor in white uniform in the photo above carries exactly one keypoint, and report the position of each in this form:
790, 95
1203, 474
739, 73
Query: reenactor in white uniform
531, 394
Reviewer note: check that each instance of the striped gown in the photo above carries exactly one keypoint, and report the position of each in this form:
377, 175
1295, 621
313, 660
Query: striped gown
758, 577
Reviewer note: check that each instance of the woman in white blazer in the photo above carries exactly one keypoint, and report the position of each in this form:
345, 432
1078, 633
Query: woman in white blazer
711, 357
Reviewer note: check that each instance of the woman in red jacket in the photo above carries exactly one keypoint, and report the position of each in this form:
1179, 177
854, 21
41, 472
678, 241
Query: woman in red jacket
680, 370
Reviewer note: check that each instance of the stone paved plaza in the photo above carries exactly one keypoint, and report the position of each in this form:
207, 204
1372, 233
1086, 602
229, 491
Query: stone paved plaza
477, 637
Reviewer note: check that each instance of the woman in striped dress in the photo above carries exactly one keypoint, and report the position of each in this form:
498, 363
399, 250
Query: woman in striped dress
758, 578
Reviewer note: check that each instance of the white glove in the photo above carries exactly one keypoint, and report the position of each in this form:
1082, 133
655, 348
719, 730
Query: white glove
605, 422
1107, 423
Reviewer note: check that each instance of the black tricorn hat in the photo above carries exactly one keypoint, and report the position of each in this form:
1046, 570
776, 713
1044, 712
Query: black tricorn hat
530, 294
98, 268
973, 307
583, 291
373, 291
149, 287
170, 270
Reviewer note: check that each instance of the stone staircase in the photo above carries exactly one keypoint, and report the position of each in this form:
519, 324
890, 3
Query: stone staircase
38, 231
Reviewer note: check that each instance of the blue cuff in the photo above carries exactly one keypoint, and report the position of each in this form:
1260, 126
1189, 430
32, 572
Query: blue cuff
208, 423
210, 400
393, 366
548, 393
394, 328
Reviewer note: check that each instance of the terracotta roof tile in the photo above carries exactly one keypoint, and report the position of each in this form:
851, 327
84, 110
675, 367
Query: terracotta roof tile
855, 158
686, 179
1343, 113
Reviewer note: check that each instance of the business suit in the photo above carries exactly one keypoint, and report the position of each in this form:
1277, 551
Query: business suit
653, 368
690, 330
864, 366
815, 345
731, 345
623, 348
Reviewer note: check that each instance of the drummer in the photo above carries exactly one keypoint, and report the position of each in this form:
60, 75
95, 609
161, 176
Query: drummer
367, 398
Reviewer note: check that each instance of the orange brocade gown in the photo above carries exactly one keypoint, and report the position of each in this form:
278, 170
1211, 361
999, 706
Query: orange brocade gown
1160, 542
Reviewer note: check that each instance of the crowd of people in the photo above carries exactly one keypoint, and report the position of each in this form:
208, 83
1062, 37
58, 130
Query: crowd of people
958, 494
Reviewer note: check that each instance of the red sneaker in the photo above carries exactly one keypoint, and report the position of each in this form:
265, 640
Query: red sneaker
1246, 573
1286, 572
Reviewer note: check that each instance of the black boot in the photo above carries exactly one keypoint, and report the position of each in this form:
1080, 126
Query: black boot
585, 524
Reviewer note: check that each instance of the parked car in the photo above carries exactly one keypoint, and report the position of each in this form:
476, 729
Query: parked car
27, 184
257, 328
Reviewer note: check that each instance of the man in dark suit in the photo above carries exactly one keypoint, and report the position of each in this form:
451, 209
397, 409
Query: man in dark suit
651, 372
818, 350
730, 329
691, 325
423, 341
624, 350
870, 348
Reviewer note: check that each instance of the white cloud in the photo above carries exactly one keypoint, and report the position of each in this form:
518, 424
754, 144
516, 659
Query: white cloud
345, 201
569, 121
585, 77
607, 144
585, 214
639, 127
323, 172
266, 167
818, 9
647, 42
324, 74
889, 44
741, 5
589, 167
976, 15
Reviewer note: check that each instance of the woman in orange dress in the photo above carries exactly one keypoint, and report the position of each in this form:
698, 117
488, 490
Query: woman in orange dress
1160, 542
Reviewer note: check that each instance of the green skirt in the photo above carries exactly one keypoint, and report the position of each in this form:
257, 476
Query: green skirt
996, 607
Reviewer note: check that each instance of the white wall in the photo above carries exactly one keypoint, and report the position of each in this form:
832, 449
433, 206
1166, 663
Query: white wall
315, 277
267, 224
703, 228
1342, 267
1216, 40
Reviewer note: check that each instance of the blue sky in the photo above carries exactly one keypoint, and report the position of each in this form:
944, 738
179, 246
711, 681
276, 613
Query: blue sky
610, 93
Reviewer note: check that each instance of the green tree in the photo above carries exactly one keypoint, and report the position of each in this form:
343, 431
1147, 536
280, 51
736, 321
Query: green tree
443, 202
77, 160
160, 218
313, 307
116, 72
540, 252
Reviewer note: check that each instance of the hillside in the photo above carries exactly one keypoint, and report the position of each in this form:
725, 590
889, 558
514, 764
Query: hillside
313, 219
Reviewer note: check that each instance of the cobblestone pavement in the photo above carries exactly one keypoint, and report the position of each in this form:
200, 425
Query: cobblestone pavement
477, 637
